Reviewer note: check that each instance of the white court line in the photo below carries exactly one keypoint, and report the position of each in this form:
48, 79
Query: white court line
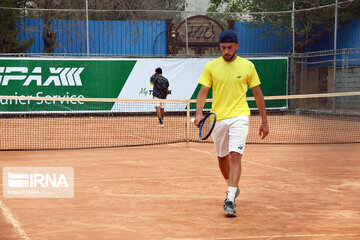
290, 236
8, 215
138, 179
173, 145
269, 166
251, 162
161, 196
197, 150
273, 237
52, 232
156, 178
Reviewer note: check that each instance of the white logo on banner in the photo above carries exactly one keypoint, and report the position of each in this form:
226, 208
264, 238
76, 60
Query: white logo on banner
64, 76
183, 75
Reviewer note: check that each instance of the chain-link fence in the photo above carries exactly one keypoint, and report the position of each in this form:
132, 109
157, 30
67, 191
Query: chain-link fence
324, 54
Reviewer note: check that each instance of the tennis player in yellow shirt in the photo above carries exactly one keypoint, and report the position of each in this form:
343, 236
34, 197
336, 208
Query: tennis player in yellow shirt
230, 76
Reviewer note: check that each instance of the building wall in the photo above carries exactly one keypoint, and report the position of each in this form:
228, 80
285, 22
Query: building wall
106, 37
149, 38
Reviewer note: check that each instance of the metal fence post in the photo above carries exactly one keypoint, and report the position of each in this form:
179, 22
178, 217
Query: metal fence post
293, 26
87, 28
335, 42
186, 35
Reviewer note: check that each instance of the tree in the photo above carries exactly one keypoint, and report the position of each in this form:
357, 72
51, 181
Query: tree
8, 31
310, 26
48, 16
95, 13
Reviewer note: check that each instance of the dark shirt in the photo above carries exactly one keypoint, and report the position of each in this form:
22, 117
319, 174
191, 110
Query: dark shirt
160, 86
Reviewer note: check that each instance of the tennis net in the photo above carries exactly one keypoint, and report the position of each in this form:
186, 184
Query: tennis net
33, 123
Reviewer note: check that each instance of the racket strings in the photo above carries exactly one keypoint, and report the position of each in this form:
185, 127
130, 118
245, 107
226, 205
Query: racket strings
207, 126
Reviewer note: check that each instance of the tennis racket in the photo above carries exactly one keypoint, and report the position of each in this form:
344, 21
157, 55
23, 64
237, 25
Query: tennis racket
206, 126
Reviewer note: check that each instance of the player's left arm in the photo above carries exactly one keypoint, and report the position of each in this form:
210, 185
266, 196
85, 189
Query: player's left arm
260, 102
200, 103
152, 79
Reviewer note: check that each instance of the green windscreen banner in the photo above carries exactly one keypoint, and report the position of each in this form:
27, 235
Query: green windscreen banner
273, 76
61, 78
121, 78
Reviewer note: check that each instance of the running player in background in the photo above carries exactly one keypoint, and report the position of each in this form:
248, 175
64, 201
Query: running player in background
230, 76
160, 91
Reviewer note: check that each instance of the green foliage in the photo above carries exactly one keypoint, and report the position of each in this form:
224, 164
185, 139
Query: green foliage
310, 26
8, 30
224, 11
100, 10
132, 10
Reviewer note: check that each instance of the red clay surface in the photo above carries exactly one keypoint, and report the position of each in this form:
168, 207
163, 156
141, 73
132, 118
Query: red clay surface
300, 192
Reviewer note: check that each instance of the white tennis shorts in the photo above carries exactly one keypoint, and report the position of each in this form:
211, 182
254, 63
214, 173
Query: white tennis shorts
229, 135
159, 104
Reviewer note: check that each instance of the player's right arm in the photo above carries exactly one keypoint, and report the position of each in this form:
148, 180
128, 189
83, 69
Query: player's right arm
206, 82
200, 103
152, 79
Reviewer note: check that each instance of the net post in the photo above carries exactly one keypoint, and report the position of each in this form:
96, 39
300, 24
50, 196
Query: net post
187, 122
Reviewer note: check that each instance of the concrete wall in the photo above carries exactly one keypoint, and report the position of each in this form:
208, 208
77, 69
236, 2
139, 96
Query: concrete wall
348, 79
321, 80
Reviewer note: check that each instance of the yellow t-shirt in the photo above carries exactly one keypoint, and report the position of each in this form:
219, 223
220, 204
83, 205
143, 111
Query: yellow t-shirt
230, 81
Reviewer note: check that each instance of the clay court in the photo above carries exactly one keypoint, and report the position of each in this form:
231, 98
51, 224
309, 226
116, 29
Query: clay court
77, 92
295, 191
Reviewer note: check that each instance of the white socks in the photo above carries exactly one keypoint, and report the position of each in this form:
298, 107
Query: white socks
231, 193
